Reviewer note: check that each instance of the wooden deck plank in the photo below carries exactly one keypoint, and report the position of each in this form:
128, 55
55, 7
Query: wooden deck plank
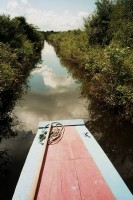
76, 144
69, 182
92, 184
88, 173
49, 172
68, 178
46, 180
65, 148
56, 192
70, 187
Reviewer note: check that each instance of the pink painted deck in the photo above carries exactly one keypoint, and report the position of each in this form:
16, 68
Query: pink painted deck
70, 173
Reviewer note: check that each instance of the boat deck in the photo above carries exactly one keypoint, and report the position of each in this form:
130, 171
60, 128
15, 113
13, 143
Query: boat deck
73, 169
69, 172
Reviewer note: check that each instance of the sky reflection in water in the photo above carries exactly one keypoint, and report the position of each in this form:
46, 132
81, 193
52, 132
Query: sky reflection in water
53, 94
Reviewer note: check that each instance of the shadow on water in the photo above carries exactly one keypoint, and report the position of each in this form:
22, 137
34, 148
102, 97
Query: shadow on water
113, 134
14, 146
14, 143
12, 158
6, 132
116, 139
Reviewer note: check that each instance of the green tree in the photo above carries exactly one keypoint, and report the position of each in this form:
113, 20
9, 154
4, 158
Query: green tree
121, 23
20, 50
97, 26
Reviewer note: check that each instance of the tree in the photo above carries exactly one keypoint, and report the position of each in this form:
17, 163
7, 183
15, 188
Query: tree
121, 24
97, 26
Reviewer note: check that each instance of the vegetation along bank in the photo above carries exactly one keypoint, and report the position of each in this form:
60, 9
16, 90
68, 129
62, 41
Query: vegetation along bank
103, 51
20, 50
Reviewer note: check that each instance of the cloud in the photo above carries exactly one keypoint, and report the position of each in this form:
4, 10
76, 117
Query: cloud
24, 1
52, 80
17, 8
46, 19
82, 14
12, 5
49, 20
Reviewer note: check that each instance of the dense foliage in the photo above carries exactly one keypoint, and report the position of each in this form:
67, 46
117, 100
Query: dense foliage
20, 48
105, 51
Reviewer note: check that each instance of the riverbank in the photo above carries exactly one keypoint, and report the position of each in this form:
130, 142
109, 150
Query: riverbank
20, 50
103, 50
108, 71
109, 85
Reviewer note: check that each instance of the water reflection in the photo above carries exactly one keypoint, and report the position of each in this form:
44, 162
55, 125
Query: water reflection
12, 161
14, 146
53, 80
53, 95
4, 161
116, 138
51, 106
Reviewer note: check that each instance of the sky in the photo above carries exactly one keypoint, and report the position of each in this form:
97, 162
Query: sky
57, 15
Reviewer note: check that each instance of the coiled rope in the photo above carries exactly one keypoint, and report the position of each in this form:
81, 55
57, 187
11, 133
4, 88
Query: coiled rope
55, 135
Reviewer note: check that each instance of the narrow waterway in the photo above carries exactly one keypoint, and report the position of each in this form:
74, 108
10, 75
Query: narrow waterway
54, 94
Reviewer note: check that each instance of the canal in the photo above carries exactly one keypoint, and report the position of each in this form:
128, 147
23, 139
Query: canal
57, 91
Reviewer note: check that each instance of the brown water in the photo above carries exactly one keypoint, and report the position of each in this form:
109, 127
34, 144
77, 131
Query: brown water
55, 93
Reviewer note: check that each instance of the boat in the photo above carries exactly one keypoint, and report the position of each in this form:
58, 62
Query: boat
65, 162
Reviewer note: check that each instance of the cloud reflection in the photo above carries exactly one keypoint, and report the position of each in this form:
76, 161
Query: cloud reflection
51, 105
54, 95
53, 80
48, 50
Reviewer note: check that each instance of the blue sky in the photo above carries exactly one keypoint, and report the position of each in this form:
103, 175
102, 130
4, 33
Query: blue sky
50, 14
